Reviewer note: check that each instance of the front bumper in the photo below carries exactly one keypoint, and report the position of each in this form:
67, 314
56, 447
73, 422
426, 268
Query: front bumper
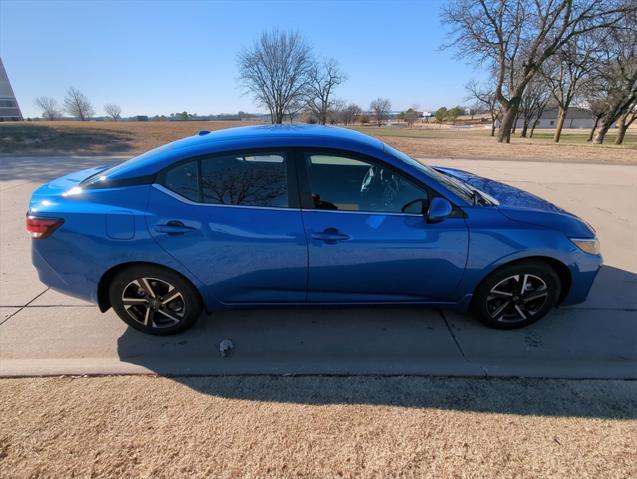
584, 269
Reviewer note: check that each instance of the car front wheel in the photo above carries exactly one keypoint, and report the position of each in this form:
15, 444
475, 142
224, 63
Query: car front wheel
517, 295
154, 300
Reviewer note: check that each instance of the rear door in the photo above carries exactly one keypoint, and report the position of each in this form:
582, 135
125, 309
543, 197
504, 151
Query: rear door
367, 237
234, 221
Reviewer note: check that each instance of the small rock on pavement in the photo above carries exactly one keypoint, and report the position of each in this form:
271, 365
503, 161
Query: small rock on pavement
225, 346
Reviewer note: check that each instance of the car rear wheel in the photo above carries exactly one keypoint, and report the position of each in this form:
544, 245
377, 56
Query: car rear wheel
154, 300
517, 295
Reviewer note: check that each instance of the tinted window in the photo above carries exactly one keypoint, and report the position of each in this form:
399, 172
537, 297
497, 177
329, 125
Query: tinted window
183, 180
258, 180
346, 184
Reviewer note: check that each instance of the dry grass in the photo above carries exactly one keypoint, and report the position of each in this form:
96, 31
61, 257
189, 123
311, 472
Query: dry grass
135, 137
316, 427
477, 144
98, 137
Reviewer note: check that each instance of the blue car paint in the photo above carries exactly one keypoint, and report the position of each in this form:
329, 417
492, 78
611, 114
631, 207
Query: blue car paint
246, 256
387, 258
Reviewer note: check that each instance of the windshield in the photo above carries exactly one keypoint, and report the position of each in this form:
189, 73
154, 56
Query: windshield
461, 189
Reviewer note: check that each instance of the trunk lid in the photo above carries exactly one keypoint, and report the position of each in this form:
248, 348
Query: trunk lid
64, 183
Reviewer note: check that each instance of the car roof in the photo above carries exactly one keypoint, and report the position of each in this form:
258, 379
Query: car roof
291, 132
246, 137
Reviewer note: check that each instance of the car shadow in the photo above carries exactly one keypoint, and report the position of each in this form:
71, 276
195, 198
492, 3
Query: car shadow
389, 355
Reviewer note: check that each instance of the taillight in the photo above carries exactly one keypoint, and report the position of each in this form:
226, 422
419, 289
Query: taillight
40, 228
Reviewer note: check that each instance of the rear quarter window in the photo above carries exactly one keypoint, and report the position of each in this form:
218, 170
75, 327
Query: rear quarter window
183, 180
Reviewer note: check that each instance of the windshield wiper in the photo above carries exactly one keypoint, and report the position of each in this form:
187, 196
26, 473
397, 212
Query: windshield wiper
479, 198
476, 197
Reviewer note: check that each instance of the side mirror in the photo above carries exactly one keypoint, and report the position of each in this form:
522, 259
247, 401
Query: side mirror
439, 210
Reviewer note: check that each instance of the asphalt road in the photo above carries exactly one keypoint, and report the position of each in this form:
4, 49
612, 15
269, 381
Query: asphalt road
45, 333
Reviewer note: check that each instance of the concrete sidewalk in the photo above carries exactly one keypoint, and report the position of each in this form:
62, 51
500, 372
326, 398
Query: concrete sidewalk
43, 332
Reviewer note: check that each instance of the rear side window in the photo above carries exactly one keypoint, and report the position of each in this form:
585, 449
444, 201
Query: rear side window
243, 180
184, 180
255, 180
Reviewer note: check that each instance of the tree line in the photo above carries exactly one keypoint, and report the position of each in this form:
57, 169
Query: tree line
550, 52
76, 104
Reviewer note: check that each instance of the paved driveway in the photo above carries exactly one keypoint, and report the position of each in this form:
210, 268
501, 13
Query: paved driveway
43, 332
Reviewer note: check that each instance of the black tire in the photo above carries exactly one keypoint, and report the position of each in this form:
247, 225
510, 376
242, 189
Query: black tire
142, 297
542, 291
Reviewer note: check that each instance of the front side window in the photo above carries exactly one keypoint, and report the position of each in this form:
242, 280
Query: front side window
243, 180
347, 184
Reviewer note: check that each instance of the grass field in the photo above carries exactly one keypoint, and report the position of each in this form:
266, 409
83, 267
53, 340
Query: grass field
478, 144
573, 136
259, 427
128, 138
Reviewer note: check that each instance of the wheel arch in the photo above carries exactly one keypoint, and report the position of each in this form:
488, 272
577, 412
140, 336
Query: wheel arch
103, 300
562, 271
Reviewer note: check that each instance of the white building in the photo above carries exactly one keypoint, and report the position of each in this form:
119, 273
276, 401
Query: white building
575, 118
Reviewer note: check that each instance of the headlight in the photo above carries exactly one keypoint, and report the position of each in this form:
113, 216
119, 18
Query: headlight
587, 245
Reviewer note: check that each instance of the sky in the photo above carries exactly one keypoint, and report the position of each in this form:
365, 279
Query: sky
158, 57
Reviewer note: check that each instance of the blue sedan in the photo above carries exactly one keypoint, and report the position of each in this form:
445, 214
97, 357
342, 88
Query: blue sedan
302, 215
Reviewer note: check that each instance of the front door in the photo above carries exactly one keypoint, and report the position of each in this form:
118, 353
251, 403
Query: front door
234, 222
368, 239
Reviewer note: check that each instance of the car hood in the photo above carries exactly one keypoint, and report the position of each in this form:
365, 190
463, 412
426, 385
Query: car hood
507, 196
520, 205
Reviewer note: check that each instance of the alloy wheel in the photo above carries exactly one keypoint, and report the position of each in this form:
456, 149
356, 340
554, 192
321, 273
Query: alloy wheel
154, 303
517, 298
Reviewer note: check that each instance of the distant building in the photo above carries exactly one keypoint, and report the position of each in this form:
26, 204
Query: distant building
9, 109
575, 118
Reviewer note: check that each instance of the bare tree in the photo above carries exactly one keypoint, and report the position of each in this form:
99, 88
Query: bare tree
592, 98
380, 109
617, 77
336, 112
534, 101
78, 105
540, 106
351, 113
295, 107
324, 77
566, 71
410, 116
113, 111
597, 109
485, 97
276, 71
49, 107
516, 37
625, 121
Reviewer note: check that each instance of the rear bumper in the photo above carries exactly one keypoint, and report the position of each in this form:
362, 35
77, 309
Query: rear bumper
74, 285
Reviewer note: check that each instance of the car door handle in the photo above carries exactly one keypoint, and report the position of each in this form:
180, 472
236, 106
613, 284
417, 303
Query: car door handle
173, 227
330, 236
